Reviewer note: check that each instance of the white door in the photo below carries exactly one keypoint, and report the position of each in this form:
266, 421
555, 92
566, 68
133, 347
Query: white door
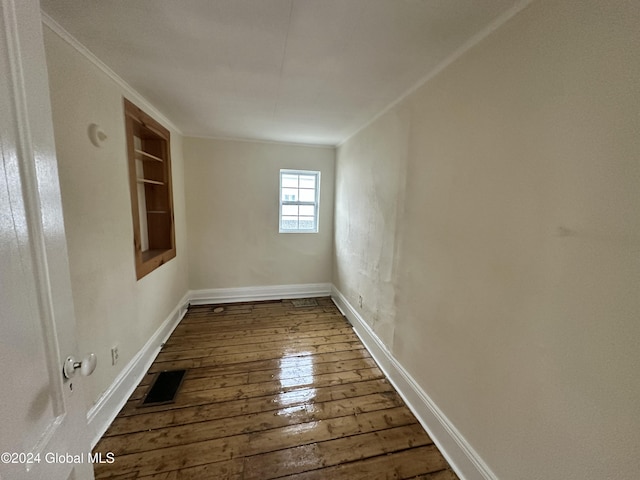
43, 426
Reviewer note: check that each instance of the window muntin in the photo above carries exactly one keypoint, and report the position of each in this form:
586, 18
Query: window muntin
299, 201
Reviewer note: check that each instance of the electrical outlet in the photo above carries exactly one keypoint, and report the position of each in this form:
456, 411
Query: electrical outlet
360, 301
114, 354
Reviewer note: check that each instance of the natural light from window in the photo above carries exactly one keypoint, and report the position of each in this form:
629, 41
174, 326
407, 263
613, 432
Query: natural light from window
299, 201
296, 380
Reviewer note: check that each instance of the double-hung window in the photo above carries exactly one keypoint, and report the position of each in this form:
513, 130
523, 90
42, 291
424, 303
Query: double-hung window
299, 201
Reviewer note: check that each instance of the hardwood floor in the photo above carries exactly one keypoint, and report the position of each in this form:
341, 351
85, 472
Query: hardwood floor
271, 391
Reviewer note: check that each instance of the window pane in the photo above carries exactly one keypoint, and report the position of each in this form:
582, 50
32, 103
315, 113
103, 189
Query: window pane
289, 223
289, 180
299, 187
289, 194
307, 181
290, 210
307, 195
307, 223
308, 210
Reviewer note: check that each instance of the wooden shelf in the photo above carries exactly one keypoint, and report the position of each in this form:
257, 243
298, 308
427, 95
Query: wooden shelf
152, 182
151, 254
148, 156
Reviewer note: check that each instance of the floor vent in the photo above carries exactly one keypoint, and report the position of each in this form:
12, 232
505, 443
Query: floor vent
164, 388
305, 302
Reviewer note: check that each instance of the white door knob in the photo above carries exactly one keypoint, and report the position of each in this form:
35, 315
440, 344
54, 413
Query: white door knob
87, 365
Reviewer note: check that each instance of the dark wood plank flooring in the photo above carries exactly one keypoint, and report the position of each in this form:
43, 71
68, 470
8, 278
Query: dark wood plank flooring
271, 391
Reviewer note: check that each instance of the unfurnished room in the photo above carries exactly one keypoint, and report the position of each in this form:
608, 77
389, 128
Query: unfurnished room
320, 239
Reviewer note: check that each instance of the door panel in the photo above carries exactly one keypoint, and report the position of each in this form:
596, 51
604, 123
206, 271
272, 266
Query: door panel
42, 418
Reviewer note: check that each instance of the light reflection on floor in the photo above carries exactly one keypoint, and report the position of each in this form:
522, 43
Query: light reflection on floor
295, 371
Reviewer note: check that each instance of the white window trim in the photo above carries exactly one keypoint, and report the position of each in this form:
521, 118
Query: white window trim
315, 173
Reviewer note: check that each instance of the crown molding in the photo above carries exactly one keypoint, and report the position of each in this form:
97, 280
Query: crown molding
459, 52
132, 93
256, 140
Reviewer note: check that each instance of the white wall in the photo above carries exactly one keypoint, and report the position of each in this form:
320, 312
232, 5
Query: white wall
232, 212
490, 223
111, 307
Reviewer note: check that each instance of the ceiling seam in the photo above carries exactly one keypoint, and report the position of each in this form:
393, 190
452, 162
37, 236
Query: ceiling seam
284, 57
230, 65
348, 41
256, 140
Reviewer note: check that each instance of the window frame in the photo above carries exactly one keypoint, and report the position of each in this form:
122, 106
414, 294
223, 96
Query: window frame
315, 203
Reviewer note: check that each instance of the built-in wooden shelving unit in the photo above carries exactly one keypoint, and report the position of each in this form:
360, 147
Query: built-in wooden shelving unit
148, 145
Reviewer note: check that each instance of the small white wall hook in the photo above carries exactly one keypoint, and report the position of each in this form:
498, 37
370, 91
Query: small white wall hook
96, 135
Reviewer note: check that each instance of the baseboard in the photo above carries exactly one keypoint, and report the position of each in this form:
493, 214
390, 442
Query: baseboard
100, 416
252, 294
461, 456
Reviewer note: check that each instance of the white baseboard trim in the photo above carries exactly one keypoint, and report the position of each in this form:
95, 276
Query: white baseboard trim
100, 416
105, 410
461, 456
252, 294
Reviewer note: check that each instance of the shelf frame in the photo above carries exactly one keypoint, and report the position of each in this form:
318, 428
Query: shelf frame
151, 190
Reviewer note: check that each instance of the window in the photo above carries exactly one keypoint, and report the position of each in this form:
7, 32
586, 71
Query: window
299, 201
148, 150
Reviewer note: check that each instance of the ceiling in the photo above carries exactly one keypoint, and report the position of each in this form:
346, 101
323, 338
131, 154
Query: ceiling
301, 71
